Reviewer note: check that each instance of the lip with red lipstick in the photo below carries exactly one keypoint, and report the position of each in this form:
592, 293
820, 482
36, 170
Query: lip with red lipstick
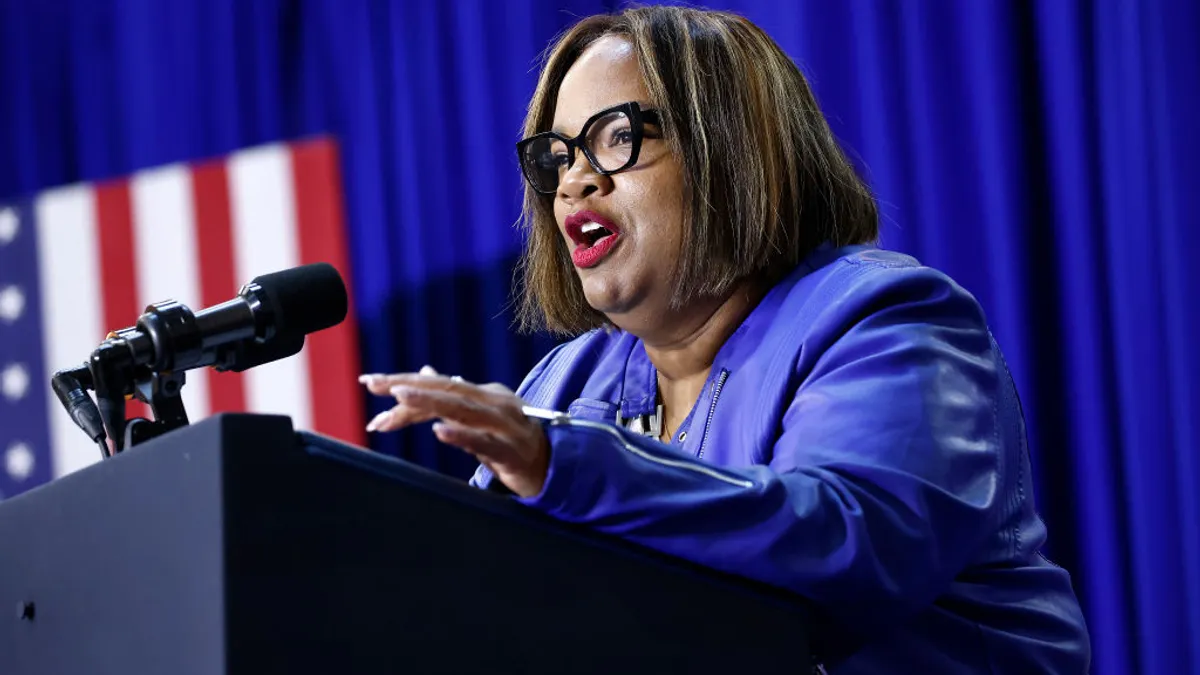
594, 236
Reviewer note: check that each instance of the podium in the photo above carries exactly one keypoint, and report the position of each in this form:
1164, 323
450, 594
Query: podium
239, 545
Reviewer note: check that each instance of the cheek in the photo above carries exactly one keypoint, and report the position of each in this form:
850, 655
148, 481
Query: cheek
560, 212
659, 205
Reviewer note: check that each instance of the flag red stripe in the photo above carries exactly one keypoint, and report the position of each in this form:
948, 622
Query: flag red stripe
218, 281
118, 271
333, 361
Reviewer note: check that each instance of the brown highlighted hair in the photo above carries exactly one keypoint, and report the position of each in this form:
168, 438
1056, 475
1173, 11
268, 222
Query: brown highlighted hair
765, 180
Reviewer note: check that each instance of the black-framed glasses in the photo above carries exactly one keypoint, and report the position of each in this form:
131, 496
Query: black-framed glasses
611, 140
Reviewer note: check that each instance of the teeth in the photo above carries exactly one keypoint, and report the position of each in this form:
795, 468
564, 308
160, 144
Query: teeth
589, 228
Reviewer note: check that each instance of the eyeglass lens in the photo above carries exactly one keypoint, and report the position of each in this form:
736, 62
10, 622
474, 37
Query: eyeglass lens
609, 140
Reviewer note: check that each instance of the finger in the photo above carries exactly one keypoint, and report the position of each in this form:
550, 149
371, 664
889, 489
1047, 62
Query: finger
380, 384
380, 422
413, 412
488, 395
485, 445
447, 405
398, 417
496, 388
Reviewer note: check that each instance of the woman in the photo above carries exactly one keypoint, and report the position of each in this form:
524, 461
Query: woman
753, 385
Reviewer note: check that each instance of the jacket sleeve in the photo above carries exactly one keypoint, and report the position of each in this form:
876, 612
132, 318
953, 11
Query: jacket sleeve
884, 480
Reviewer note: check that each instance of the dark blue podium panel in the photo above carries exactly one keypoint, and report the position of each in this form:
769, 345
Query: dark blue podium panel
238, 545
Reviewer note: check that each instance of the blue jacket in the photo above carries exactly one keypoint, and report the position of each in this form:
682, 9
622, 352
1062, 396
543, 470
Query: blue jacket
859, 442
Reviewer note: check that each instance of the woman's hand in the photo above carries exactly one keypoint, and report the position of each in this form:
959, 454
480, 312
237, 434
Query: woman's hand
484, 420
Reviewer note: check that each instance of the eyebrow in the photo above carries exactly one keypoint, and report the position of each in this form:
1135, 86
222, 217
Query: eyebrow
645, 107
559, 130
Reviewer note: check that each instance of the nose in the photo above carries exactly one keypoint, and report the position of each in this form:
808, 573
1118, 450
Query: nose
581, 181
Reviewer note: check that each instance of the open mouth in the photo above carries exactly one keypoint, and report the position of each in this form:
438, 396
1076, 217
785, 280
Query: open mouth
590, 233
594, 237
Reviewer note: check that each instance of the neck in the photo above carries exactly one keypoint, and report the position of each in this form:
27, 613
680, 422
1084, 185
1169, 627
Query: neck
685, 352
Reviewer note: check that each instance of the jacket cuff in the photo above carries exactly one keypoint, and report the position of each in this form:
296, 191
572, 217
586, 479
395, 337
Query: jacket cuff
560, 475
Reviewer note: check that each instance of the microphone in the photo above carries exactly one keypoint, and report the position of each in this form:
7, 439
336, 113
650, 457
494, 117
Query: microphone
267, 321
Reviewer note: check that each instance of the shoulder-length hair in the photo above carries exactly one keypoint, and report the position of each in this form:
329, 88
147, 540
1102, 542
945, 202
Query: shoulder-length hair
765, 180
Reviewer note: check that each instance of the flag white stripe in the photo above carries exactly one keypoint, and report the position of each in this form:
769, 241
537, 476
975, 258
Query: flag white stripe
72, 307
264, 233
164, 227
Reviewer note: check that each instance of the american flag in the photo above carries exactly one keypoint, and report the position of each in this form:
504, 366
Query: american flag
81, 260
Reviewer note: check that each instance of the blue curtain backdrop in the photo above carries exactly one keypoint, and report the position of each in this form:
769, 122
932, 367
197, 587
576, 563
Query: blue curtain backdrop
1041, 153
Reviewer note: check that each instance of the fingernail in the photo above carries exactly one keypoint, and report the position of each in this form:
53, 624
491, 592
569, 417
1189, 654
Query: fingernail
427, 370
378, 420
368, 378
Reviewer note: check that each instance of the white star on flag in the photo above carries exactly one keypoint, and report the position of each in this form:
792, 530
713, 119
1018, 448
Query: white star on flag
8, 226
12, 303
14, 381
18, 460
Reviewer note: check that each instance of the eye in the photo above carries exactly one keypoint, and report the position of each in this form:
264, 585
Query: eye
621, 137
556, 157
552, 161
553, 158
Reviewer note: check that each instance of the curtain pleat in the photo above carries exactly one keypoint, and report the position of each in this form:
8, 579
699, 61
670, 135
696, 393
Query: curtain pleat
1043, 154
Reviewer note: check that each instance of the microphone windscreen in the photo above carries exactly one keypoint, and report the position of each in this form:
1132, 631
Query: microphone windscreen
305, 299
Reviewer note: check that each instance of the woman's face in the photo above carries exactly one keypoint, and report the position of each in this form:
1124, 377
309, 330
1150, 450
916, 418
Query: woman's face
626, 275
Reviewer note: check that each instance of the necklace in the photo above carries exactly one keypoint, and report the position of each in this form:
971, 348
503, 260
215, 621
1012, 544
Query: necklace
650, 424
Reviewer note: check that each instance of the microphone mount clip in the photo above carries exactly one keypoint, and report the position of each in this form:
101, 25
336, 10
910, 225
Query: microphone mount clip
136, 363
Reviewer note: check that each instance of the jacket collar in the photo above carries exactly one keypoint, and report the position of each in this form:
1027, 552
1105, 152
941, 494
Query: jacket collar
639, 386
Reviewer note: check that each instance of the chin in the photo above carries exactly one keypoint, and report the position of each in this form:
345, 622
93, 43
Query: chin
603, 294
604, 303
620, 302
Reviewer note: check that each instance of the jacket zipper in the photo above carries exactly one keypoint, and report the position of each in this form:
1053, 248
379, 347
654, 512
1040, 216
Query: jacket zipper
712, 409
